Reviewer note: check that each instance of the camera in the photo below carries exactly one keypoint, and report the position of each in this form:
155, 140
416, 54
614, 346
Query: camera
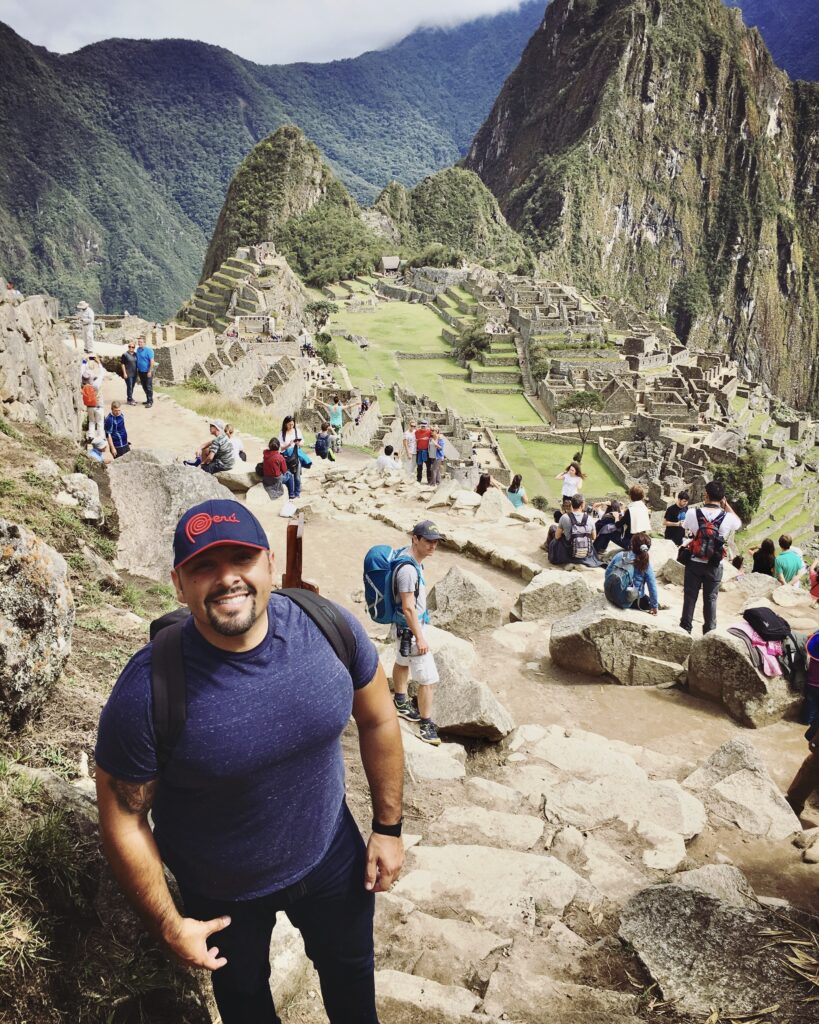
405, 642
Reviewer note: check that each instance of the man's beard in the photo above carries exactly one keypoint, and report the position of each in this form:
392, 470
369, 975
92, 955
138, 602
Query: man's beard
227, 624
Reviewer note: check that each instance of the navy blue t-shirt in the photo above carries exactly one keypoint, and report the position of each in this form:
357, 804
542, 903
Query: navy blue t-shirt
252, 794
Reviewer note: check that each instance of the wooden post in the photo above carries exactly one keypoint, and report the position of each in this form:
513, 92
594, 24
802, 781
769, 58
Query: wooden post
292, 574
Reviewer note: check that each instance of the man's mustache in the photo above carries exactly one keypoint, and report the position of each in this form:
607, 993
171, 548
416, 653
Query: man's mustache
230, 592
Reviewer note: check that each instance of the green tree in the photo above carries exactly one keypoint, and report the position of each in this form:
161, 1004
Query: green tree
744, 481
473, 342
318, 313
582, 406
689, 299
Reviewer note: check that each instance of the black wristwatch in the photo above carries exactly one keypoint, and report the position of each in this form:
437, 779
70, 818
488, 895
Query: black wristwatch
387, 830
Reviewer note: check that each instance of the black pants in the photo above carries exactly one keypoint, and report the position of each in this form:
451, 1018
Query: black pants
334, 913
147, 383
700, 575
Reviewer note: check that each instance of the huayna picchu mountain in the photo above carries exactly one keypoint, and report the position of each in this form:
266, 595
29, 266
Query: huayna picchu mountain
285, 192
651, 149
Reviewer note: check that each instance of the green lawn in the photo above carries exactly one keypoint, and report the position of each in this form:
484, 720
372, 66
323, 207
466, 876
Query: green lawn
407, 327
539, 463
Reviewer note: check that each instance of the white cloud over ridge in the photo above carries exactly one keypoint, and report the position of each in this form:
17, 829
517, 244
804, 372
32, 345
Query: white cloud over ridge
265, 31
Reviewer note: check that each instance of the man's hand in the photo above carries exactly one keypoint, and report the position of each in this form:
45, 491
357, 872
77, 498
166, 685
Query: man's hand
652, 611
421, 644
187, 939
385, 855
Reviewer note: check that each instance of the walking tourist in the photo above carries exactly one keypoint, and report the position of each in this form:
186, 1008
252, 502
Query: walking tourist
789, 565
629, 573
145, 369
115, 432
248, 804
572, 477
674, 517
85, 316
290, 441
413, 658
324, 442
422, 435
709, 527
516, 492
128, 369
275, 474
764, 557
216, 455
92, 377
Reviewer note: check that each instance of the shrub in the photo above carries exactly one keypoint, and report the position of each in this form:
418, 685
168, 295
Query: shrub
744, 482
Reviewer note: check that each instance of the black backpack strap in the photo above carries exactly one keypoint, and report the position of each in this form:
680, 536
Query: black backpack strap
170, 705
329, 620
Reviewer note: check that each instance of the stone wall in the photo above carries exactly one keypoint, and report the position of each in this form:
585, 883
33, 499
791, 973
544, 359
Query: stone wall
609, 459
39, 372
176, 360
364, 431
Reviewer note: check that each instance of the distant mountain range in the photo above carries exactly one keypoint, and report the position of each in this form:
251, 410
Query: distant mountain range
114, 160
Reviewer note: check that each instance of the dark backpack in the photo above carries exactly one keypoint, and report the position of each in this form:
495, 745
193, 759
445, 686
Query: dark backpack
168, 666
766, 623
580, 540
322, 445
708, 544
794, 661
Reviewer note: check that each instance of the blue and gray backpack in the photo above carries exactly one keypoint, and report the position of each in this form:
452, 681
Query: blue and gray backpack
380, 566
618, 585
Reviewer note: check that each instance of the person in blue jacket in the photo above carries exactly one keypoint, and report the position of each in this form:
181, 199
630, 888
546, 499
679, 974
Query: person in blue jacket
643, 575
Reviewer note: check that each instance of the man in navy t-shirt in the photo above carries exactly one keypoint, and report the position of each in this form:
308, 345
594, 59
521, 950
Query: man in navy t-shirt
249, 811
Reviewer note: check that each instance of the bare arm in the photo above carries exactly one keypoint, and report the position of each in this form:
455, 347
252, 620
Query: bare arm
382, 755
129, 845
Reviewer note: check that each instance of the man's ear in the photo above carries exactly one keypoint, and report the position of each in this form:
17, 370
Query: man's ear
177, 583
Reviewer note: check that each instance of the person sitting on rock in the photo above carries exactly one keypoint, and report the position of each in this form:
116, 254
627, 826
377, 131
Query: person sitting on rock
789, 565
764, 557
275, 474
216, 455
576, 529
637, 563
235, 443
516, 492
636, 518
485, 482
608, 526
386, 461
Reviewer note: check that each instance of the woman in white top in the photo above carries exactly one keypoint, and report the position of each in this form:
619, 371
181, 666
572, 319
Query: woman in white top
572, 477
289, 441
239, 452
636, 518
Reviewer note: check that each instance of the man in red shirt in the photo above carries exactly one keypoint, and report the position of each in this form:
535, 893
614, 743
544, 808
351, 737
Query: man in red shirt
422, 451
275, 472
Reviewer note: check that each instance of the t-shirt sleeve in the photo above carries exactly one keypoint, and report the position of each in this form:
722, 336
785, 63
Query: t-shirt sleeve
565, 525
406, 579
366, 656
690, 522
126, 746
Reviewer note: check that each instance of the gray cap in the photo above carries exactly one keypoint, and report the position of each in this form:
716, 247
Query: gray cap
426, 530
219, 424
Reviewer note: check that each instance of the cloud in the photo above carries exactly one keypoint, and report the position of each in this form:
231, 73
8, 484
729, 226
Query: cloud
265, 31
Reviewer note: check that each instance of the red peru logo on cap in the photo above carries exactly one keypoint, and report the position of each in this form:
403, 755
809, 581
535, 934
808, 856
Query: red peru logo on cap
202, 522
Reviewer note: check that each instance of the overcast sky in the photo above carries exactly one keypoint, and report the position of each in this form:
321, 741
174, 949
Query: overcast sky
266, 31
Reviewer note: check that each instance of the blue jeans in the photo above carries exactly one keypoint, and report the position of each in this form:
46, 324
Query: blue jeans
334, 913
129, 388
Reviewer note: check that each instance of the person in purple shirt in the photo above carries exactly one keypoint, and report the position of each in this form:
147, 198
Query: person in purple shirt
248, 810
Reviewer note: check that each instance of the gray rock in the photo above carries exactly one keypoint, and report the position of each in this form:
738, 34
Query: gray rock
542, 1000
494, 506
423, 761
47, 469
705, 953
464, 704
36, 619
239, 481
407, 999
719, 670
150, 494
724, 881
98, 570
736, 788
87, 493
554, 593
598, 643
463, 603
465, 500
492, 795
468, 824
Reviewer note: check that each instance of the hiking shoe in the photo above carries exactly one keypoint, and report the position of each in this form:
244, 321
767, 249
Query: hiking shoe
406, 709
429, 734
149, 405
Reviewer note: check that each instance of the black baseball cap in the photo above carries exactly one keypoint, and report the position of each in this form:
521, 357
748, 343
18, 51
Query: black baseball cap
216, 522
426, 530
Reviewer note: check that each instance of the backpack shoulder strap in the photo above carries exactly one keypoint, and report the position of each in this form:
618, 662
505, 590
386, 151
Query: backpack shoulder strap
170, 704
329, 620
700, 517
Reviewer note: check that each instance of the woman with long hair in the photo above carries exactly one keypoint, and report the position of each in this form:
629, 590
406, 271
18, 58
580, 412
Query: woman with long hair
289, 441
633, 567
572, 477
516, 492
764, 557
486, 481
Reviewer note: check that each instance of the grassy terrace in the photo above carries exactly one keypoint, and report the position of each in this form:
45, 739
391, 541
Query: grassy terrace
407, 327
538, 463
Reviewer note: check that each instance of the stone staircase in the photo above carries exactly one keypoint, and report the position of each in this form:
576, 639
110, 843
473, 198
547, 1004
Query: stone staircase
208, 305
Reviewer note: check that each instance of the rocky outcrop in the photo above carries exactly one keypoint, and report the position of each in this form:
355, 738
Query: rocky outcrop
464, 603
651, 150
36, 619
37, 370
464, 703
719, 670
628, 646
554, 593
150, 491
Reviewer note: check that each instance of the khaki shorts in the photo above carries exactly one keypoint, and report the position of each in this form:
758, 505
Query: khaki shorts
423, 670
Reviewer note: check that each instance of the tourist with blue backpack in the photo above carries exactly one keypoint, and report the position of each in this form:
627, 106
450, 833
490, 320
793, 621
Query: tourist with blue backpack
629, 574
709, 528
395, 593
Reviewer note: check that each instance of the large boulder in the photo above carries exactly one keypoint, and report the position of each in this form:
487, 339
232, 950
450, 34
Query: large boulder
494, 506
554, 593
238, 480
703, 953
407, 999
463, 603
610, 642
87, 494
539, 999
464, 704
36, 619
719, 669
736, 789
150, 493
724, 881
